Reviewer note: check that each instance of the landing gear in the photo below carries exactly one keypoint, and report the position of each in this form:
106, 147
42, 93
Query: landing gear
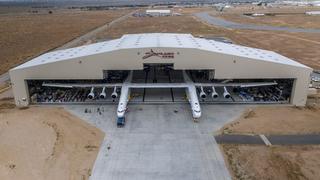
121, 122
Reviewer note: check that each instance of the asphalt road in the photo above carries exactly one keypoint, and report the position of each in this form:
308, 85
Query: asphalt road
294, 139
159, 142
305, 139
206, 17
238, 139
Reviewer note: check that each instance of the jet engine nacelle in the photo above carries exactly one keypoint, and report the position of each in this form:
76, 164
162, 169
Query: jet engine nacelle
114, 93
91, 94
214, 93
203, 95
103, 93
226, 94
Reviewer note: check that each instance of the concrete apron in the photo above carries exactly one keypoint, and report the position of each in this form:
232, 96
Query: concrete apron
159, 142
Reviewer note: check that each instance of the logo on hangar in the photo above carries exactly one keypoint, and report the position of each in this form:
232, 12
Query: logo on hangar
162, 55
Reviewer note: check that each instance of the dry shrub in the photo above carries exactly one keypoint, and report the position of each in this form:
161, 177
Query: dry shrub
7, 105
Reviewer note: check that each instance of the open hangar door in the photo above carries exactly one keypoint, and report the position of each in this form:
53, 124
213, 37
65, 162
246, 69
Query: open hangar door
161, 73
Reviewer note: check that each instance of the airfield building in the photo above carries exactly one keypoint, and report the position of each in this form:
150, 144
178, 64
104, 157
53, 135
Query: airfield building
158, 12
161, 67
313, 13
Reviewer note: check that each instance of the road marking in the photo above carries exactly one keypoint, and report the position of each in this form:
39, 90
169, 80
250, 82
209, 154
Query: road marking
265, 140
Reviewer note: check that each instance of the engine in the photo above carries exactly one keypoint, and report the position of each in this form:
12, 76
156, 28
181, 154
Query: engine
203, 95
214, 93
114, 93
103, 93
91, 94
226, 94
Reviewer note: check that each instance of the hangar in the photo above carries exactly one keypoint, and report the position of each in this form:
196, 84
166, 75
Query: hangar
140, 66
158, 12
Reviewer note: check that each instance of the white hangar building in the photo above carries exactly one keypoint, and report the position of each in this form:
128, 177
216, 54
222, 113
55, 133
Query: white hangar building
144, 61
158, 12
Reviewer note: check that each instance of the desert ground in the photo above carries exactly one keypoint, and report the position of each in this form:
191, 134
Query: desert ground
25, 35
178, 24
45, 143
274, 162
277, 120
301, 47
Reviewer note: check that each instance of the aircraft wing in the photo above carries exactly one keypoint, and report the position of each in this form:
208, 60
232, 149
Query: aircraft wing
158, 85
131, 85
252, 84
78, 85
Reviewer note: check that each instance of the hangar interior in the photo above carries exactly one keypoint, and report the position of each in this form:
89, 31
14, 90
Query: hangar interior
161, 73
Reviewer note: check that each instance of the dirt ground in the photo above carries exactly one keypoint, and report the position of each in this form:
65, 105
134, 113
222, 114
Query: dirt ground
45, 143
301, 47
172, 24
276, 120
297, 20
6, 93
25, 35
276, 162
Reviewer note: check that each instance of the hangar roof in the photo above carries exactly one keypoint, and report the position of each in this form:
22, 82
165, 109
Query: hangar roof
161, 40
158, 11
